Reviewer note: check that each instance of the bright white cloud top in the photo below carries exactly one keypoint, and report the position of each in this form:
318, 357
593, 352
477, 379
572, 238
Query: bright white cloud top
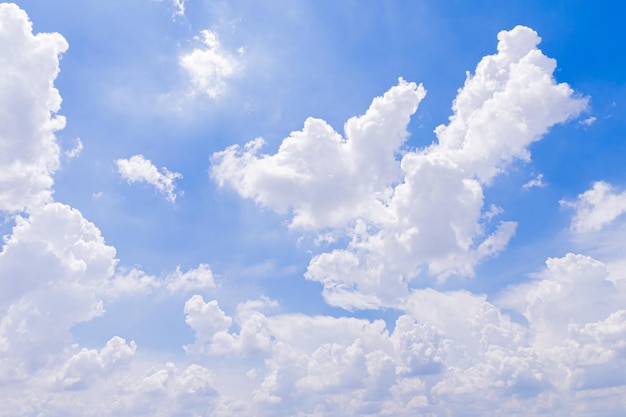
139, 169
401, 307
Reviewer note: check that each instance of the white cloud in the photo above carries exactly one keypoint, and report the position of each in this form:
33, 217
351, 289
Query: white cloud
75, 151
88, 364
449, 352
179, 8
210, 65
29, 103
596, 208
327, 180
535, 182
140, 169
425, 210
212, 325
194, 279
510, 102
588, 121
56, 267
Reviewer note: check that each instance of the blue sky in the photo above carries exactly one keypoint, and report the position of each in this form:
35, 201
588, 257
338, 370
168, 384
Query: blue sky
312, 208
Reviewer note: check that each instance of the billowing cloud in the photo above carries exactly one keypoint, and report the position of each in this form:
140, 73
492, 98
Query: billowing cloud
139, 169
209, 66
29, 103
327, 180
424, 209
596, 207
449, 352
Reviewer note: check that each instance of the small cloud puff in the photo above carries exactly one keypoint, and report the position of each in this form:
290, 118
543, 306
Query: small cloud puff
140, 169
588, 121
209, 66
76, 150
535, 182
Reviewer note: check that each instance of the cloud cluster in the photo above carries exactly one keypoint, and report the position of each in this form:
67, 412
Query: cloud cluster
447, 353
425, 208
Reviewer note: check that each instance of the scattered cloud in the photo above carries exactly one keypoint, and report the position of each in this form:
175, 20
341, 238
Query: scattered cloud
588, 121
76, 150
535, 182
596, 208
209, 66
139, 169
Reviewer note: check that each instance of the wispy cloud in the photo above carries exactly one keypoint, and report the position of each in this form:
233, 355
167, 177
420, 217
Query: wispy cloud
536, 182
139, 169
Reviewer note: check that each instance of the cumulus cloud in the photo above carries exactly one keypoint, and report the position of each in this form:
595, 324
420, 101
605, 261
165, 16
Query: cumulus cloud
596, 208
139, 169
211, 326
88, 364
419, 213
56, 268
326, 179
448, 351
29, 102
209, 66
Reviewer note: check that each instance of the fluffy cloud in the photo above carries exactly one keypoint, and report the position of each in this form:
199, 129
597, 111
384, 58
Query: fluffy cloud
211, 326
449, 352
83, 367
596, 208
29, 103
55, 266
209, 66
424, 210
327, 180
139, 169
